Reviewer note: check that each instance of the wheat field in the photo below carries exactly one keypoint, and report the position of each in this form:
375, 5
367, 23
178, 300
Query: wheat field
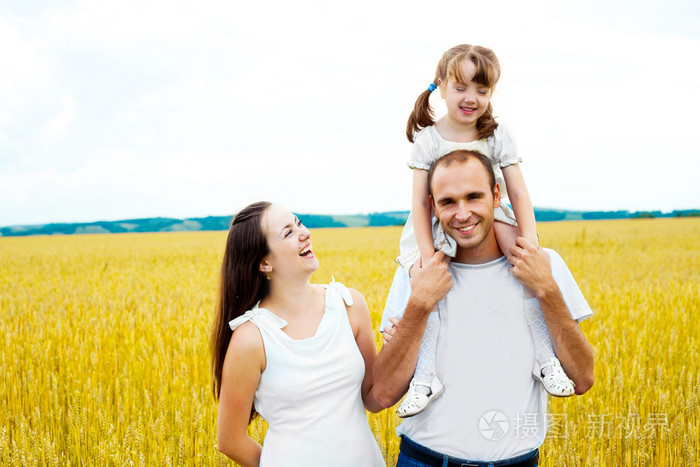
103, 343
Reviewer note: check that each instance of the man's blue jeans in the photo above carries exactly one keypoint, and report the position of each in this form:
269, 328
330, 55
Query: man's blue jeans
406, 461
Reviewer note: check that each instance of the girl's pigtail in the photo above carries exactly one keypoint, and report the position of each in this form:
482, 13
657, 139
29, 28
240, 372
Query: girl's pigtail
422, 115
486, 124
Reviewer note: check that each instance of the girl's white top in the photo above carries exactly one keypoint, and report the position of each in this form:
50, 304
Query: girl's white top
310, 391
429, 146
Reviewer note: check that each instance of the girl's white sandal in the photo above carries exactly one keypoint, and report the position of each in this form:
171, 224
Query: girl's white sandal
554, 379
415, 402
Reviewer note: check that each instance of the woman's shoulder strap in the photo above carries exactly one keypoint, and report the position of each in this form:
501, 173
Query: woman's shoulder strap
340, 290
259, 317
234, 323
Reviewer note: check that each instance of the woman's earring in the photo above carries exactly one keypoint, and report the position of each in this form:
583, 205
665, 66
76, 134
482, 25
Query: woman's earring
269, 276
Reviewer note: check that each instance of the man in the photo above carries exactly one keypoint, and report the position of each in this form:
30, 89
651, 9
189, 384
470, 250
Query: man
492, 409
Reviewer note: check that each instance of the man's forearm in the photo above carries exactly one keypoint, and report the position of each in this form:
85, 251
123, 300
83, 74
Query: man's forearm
531, 266
570, 345
396, 362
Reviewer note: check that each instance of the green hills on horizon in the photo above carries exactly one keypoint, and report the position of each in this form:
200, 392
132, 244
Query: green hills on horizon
376, 219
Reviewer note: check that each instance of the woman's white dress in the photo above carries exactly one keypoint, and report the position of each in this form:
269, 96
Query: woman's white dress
310, 391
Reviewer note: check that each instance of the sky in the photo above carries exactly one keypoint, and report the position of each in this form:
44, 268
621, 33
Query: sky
137, 108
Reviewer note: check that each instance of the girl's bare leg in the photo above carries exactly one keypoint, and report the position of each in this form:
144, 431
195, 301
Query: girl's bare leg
505, 236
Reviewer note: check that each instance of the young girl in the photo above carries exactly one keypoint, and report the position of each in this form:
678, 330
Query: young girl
466, 76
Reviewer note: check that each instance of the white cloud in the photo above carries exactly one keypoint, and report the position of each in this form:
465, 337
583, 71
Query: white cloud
60, 123
122, 109
19, 57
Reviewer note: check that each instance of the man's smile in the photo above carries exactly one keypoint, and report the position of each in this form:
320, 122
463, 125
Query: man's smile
467, 229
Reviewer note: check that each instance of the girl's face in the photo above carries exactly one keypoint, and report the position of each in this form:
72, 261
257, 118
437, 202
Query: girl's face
467, 101
290, 245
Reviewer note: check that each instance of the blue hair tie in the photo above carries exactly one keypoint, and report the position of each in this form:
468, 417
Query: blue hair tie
432, 87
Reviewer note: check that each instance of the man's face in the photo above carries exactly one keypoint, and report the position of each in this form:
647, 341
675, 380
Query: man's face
464, 203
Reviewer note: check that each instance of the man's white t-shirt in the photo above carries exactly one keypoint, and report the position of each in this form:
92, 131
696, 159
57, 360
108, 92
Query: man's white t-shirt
492, 407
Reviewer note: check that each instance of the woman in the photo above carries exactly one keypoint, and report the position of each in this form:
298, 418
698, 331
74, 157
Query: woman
300, 354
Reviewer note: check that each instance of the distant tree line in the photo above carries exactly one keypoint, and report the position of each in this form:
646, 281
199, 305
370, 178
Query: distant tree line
312, 221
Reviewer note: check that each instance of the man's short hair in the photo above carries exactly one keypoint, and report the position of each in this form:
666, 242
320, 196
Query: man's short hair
460, 156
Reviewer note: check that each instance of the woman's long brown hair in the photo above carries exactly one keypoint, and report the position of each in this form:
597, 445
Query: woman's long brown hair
241, 284
488, 71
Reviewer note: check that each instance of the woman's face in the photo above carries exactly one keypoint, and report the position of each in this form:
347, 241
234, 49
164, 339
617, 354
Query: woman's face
290, 245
